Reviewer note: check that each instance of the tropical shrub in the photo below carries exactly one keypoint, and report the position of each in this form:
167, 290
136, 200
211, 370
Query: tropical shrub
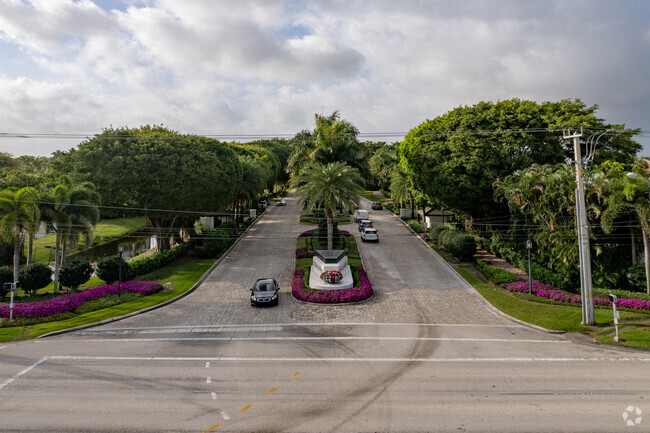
434, 232
215, 242
34, 277
460, 244
144, 265
69, 303
108, 269
495, 275
74, 274
415, 225
6, 276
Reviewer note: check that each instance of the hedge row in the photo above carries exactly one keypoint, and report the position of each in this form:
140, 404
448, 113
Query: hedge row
148, 264
458, 243
495, 275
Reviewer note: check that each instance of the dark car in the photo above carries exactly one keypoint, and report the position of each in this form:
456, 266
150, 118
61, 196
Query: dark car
265, 292
365, 224
377, 206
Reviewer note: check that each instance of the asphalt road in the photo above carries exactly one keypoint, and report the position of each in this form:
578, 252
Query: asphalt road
425, 353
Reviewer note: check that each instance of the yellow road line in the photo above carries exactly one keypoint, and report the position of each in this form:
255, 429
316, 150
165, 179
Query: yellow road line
295, 374
246, 408
212, 428
273, 390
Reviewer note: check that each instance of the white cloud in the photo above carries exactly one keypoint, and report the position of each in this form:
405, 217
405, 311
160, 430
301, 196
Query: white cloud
267, 66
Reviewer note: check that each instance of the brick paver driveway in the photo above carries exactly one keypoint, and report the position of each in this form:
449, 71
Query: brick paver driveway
412, 283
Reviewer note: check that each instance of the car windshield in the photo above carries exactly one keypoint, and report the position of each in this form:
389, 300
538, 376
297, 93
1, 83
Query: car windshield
265, 286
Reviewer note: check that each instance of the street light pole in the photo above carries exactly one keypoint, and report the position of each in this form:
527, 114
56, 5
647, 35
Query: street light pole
120, 250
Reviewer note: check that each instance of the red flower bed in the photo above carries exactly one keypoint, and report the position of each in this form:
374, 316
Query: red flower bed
355, 294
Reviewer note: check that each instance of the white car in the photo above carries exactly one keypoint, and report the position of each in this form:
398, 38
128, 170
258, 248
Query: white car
369, 234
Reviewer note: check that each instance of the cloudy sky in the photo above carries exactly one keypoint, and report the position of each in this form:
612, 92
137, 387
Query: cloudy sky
265, 67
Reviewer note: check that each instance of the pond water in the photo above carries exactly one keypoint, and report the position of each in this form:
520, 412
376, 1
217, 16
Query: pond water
134, 243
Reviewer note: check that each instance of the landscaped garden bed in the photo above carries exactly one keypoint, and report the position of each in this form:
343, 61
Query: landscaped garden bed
306, 244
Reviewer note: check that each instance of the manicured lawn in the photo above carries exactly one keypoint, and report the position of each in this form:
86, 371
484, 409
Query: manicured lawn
105, 232
634, 326
176, 279
370, 196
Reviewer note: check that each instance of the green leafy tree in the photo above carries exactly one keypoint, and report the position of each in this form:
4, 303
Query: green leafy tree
456, 158
630, 196
34, 277
327, 186
19, 211
75, 273
165, 173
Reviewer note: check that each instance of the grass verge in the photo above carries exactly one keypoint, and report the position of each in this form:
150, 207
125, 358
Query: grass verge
176, 278
370, 196
105, 231
554, 316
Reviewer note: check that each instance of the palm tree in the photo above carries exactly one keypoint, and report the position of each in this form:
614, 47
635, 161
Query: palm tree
629, 195
73, 213
254, 179
19, 212
329, 185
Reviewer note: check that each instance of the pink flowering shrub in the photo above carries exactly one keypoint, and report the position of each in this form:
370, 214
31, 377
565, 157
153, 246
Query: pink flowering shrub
304, 253
71, 302
344, 233
355, 294
306, 234
555, 294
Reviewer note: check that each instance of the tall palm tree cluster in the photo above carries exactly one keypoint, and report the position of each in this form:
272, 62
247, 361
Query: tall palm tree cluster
325, 165
70, 211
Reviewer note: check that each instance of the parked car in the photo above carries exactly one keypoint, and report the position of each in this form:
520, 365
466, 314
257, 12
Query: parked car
369, 234
363, 224
360, 214
377, 206
265, 292
281, 202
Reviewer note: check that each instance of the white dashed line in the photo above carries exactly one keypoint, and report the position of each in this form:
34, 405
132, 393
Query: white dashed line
207, 364
225, 415
214, 395
25, 371
208, 380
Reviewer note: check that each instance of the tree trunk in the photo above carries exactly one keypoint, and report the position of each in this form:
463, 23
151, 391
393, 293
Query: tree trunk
330, 229
633, 246
57, 245
64, 251
30, 248
16, 256
646, 249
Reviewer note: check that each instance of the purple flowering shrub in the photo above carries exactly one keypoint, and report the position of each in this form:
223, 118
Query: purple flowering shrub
344, 233
555, 294
68, 303
304, 253
306, 234
355, 294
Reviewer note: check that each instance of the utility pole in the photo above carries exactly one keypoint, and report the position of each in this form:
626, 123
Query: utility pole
586, 290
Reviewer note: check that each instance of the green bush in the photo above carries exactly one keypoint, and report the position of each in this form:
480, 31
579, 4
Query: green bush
637, 280
34, 277
460, 244
108, 269
74, 274
216, 241
6, 276
415, 225
495, 275
148, 264
434, 232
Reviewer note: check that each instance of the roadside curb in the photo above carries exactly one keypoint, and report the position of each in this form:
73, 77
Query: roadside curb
162, 304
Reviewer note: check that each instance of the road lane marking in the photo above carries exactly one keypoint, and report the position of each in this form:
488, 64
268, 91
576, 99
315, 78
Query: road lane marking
208, 380
23, 372
330, 359
207, 364
245, 408
2, 347
351, 338
214, 395
295, 374
273, 390
225, 416
212, 428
